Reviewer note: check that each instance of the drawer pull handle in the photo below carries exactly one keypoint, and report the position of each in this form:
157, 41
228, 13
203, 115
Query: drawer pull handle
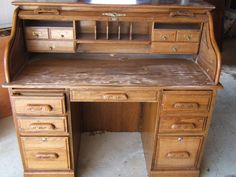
62, 35
174, 49
36, 34
188, 37
186, 105
114, 16
185, 13
117, 96
47, 156
178, 155
39, 108
164, 37
42, 126
46, 11
183, 126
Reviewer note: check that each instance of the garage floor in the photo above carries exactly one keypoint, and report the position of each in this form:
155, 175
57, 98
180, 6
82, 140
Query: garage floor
113, 160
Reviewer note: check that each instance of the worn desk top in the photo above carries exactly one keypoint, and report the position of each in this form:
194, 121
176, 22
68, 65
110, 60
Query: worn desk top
69, 73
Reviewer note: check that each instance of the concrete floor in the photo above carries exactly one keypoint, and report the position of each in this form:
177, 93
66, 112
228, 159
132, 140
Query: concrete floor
219, 159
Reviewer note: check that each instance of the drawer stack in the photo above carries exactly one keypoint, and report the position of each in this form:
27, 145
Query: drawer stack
176, 38
42, 125
182, 126
59, 38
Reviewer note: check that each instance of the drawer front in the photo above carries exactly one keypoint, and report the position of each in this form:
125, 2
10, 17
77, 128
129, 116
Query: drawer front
182, 124
36, 33
186, 101
178, 152
188, 36
50, 46
164, 35
42, 125
62, 33
39, 105
174, 48
113, 96
46, 153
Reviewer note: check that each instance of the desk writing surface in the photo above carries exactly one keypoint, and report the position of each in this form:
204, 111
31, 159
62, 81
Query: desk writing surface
66, 73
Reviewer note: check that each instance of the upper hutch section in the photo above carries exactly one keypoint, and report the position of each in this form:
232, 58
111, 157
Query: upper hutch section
169, 28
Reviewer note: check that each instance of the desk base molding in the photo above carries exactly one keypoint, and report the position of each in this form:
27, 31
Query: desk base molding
50, 174
185, 173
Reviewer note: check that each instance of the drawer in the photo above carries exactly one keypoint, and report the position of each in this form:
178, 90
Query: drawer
186, 101
46, 153
178, 152
62, 33
39, 105
113, 96
182, 124
164, 35
188, 36
50, 46
42, 125
36, 33
174, 48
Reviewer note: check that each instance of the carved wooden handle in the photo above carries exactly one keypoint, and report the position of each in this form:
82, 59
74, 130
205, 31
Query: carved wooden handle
42, 126
115, 96
46, 11
185, 13
183, 126
39, 107
183, 105
47, 156
178, 155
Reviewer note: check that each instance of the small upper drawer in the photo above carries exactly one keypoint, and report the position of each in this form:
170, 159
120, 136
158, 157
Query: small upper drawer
188, 36
174, 48
62, 33
175, 124
178, 152
36, 33
113, 96
163, 35
42, 125
186, 101
46, 153
50, 46
39, 105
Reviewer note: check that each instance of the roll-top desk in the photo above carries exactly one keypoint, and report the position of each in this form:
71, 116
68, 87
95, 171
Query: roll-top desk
148, 66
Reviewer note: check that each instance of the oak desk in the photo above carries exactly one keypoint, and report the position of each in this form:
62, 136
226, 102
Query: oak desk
148, 66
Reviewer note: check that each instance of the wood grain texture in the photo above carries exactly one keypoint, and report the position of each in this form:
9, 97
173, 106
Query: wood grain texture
5, 107
46, 73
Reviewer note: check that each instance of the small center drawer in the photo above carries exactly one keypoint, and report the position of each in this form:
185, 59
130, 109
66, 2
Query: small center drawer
188, 36
42, 125
172, 124
36, 33
163, 35
186, 101
178, 152
114, 96
46, 153
50, 46
62, 33
39, 105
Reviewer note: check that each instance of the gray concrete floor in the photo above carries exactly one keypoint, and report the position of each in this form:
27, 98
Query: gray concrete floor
219, 159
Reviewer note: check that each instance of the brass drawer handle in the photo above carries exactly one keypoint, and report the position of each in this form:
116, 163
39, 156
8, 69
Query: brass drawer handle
115, 96
39, 108
186, 105
114, 16
178, 155
51, 47
183, 126
42, 126
47, 156
36, 34
164, 37
62, 35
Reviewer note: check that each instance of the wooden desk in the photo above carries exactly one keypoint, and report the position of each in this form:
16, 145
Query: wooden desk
151, 67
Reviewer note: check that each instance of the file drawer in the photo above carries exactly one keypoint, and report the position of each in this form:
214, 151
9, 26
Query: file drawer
164, 35
46, 153
62, 33
36, 33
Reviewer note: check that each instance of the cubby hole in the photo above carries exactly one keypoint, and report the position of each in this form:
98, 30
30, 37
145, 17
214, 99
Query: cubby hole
183, 26
45, 23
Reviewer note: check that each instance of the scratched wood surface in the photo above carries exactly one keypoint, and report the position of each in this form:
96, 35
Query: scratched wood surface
66, 73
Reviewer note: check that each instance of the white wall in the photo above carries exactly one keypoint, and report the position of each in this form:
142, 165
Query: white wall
6, 12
